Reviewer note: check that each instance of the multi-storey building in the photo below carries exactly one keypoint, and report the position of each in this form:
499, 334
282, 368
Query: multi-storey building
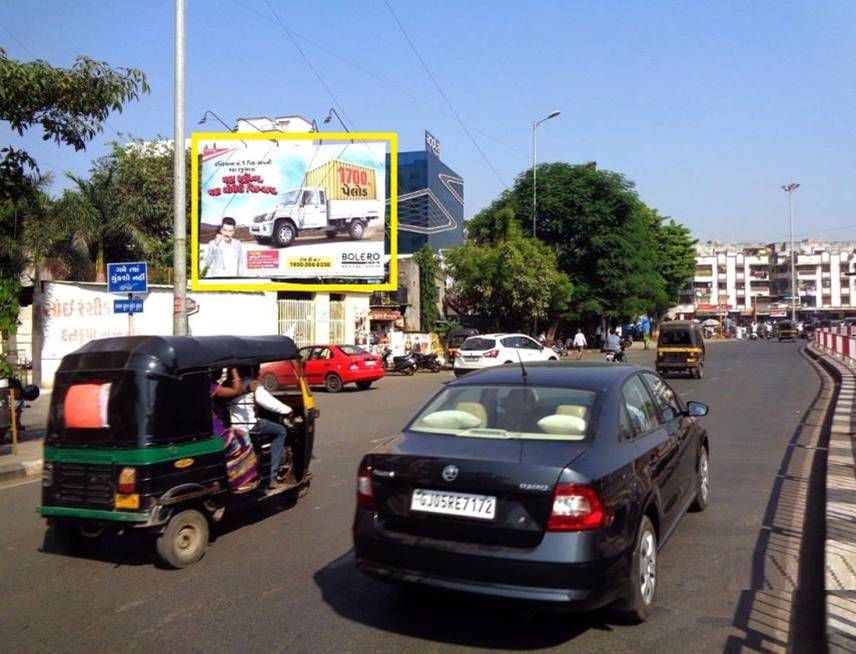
751, 279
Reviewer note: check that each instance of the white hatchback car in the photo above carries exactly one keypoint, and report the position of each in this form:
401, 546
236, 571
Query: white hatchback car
488, 350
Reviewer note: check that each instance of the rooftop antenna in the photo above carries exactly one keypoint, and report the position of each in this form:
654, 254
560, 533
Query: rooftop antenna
522, 367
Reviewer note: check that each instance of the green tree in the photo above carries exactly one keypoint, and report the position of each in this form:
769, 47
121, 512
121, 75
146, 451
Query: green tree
675, 256
143, 186
596, 224
98, 220
69, 104
428, 313
512, 280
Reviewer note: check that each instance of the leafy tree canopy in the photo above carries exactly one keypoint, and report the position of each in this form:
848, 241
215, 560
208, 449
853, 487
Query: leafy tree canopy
513, 279
605, 239
68, 104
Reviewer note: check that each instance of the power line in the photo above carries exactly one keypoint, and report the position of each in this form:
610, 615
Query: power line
309, 64
381, 79
443, 95
18, 41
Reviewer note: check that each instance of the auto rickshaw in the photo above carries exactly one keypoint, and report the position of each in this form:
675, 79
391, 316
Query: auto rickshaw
455, 338
131, 447
787, 330
680, 347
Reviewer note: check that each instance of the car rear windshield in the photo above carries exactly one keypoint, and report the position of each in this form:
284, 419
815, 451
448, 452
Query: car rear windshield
508, 412
476, 343
675, 337
351, 350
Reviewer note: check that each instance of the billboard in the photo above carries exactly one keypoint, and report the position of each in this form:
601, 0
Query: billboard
294, 211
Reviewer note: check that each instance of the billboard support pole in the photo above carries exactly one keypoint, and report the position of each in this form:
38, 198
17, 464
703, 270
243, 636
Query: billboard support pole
179, 293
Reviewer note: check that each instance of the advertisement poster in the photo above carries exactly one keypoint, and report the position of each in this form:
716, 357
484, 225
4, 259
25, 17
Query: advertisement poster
291, 211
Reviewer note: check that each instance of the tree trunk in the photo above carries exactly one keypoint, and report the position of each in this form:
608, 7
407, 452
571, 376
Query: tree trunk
38, 324
100, 276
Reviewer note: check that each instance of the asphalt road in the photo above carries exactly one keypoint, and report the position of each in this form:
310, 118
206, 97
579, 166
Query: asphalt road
285, 581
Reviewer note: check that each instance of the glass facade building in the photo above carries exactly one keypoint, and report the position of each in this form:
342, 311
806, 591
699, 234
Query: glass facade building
430, 202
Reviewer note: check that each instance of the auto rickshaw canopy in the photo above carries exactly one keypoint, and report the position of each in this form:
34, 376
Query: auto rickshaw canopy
174, 355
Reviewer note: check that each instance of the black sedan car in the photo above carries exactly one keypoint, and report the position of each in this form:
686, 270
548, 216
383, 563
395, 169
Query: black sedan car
558, 482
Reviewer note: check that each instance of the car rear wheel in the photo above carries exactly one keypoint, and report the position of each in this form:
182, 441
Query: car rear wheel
270, 383
356, 230
363, 385
184, 540
641, 588
333, 383
702, 497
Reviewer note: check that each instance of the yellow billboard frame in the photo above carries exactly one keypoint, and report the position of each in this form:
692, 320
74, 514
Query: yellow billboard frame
391, 137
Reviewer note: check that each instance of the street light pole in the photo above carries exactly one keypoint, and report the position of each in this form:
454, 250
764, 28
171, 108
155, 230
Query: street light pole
535, 124
179, 227
789, 189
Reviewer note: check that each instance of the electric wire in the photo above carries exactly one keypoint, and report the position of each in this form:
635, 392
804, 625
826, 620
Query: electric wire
382, 80
17, 40
443, 95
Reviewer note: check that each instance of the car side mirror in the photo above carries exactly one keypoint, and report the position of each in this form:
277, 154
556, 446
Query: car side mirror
696, 409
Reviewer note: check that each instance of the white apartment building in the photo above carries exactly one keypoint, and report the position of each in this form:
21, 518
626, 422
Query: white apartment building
752, 279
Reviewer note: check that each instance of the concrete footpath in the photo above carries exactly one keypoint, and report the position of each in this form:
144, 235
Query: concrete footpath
840, 545
28, 461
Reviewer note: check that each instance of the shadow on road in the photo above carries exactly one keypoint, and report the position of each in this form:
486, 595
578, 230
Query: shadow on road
448, 617
783, 610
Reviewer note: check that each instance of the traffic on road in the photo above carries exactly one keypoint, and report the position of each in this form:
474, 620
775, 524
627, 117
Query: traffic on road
519, 492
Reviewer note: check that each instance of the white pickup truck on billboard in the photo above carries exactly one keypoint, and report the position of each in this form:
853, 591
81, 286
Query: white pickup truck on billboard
336, 197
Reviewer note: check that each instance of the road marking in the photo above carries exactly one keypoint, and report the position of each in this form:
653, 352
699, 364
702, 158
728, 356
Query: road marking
14, 484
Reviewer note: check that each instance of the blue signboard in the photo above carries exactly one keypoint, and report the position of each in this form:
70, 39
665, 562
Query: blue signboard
128, 277
134, 305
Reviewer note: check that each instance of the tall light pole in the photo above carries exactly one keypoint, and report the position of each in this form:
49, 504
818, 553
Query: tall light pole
535, 124
179, 226
790, 188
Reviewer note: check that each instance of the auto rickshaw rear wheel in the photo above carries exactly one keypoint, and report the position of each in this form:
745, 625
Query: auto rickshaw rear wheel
184, 540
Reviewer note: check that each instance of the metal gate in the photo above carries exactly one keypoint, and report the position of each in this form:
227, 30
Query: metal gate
337, 321
297, 315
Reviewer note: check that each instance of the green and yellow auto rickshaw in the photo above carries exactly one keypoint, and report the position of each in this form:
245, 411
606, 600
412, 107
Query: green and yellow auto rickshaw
680, 347
131, 445
786, 330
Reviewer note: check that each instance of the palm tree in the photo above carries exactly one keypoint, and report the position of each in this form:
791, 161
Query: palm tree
96, 218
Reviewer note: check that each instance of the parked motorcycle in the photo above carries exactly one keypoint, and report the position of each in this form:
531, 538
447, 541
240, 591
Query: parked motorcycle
21, 394
427, 362
405, 363
560, 349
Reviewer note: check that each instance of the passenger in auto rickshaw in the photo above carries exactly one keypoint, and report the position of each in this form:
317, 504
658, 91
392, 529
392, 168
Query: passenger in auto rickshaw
244, 393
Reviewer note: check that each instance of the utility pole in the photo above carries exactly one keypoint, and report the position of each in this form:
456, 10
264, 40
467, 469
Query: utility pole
790, 188
179, 229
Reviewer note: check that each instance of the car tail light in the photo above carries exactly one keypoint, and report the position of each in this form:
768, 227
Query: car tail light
127, 480
365, 493
575, 508
492, 354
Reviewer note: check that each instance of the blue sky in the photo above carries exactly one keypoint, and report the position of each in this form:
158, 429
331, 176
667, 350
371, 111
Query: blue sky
708, 107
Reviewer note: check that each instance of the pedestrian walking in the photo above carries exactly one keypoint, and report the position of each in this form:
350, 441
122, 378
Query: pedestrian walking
580, 343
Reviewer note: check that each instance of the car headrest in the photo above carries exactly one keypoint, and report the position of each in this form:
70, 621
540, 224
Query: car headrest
475, 409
